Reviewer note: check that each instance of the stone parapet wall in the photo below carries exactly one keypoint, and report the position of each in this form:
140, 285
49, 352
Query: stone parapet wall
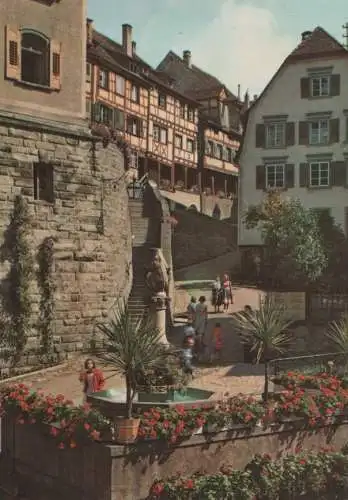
88, 222
110, 472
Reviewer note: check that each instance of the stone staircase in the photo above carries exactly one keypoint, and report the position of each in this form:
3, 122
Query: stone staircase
143, 241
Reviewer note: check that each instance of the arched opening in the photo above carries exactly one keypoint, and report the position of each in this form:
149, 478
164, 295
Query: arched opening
193, 208
35, 58
217, 212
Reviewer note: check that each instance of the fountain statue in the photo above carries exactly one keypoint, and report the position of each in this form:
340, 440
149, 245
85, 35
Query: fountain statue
157, 281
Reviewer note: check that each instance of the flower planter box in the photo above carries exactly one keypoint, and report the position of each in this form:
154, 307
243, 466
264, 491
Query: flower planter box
290, 419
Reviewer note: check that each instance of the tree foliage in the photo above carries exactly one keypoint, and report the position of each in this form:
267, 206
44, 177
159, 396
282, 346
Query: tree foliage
294, 247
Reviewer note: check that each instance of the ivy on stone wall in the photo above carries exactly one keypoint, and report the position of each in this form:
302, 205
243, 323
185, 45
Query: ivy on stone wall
47, 288
16, 303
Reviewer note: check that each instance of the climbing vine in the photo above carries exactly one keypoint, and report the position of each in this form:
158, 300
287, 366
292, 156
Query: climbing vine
47, 288
16, 303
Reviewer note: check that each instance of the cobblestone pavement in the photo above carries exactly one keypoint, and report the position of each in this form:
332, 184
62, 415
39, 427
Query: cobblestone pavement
234, 377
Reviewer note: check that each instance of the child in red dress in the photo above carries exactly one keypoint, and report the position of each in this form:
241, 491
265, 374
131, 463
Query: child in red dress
92, 378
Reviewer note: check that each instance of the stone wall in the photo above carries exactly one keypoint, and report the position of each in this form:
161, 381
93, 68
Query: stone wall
198, 237
110, 472
88, 221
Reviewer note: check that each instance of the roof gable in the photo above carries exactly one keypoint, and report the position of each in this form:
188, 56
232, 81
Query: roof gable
318, 42
193, 79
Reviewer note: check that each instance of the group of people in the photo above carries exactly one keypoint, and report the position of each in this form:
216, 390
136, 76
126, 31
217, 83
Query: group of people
222, 293
194, 343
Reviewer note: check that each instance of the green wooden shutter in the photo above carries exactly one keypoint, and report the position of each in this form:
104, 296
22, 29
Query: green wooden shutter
289, 175
290, 134
304, 174
260, 135
305, 88
303, 133
338, 173
335, 85
334, 130
260, 177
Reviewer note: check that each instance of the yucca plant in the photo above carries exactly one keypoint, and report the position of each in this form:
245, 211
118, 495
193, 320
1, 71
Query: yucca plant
337, 334
265, 330
130, 345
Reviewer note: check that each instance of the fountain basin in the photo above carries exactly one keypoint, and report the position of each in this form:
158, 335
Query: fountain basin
112, 402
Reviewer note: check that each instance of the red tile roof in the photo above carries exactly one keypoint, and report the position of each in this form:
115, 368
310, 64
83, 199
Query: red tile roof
318, 42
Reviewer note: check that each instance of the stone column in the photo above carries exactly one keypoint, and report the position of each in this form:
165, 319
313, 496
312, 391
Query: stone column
159, 314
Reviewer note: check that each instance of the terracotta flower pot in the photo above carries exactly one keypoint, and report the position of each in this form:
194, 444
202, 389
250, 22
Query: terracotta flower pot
126, 430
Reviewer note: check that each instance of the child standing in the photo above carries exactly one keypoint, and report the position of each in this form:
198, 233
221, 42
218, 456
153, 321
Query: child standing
187, 355
217, 339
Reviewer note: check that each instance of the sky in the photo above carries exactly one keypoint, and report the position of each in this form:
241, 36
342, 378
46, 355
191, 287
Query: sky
239, 41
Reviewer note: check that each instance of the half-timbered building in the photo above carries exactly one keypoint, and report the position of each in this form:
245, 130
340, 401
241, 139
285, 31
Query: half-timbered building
219, 132
159, 123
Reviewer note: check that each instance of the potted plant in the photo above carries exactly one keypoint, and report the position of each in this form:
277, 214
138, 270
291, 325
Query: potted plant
130, 345
264, 329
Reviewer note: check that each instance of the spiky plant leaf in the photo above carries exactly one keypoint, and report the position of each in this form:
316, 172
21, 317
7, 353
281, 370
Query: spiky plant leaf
130, 345
338, 334
265, 329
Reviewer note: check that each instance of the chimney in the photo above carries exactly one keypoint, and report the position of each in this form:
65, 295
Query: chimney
186, 55
134, 48
305, 35
90, 29
246, 100
127, 39
238, 91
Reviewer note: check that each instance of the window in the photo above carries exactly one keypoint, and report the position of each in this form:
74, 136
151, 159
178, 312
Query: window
275, 176
35, 59
103, 79
218, 151
88, 72
178, 141
118, 119
209, 148
319, 132
135, 94
275, 135
183, 111
120, 85
162, 101
320, 86
319, 174
156, 133
160, 134
227, 154
105, 115
163, 136
43, 182
134, 126
189, 145
191, 114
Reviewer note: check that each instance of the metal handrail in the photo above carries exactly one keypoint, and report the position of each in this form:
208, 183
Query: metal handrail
312, 358
136, 188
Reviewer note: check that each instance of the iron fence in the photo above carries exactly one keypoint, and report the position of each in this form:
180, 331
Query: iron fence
310, 362
327, 306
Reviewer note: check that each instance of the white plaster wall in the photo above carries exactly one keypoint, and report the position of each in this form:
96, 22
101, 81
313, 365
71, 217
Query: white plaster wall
284, 97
